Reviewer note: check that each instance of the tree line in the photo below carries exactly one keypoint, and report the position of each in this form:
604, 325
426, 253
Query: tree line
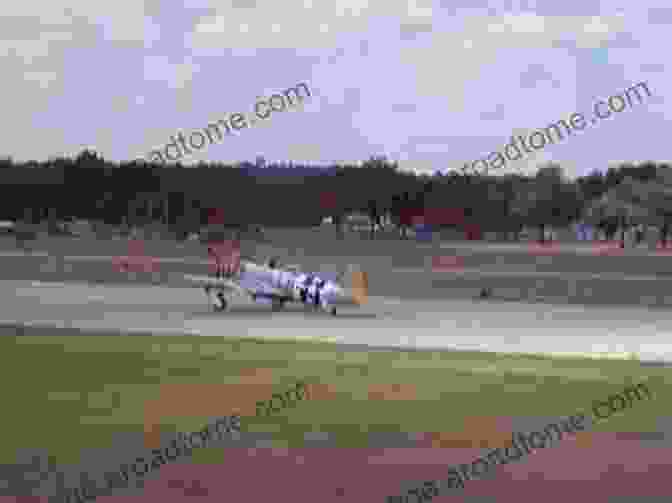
182, 197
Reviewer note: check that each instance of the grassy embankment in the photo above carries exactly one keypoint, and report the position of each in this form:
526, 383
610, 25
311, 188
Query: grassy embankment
68, 392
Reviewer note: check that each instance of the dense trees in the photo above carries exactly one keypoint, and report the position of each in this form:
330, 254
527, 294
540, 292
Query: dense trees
133, 193
547, 200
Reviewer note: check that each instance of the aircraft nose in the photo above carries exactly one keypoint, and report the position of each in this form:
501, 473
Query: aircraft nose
360, 287
343, 297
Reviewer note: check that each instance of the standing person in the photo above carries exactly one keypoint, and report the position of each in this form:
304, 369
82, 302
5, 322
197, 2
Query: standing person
639, 234
24, 230
664, 231
21, 236
405, 214
611, 229
337, 221
372, 210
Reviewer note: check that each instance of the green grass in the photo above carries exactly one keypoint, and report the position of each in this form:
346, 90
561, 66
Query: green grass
64, 393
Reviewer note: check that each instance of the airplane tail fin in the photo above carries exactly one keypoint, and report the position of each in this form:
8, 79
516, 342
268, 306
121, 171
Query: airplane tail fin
360, 287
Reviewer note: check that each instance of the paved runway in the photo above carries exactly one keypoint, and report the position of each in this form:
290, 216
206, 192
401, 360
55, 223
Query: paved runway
384, 323
41, 288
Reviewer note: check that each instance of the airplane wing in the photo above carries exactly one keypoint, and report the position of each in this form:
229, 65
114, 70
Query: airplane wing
242, 286
209, 281
261, 288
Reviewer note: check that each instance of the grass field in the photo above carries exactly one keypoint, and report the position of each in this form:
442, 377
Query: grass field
67, 392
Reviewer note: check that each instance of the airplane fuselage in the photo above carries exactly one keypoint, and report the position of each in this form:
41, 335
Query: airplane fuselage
270, 285
306, 288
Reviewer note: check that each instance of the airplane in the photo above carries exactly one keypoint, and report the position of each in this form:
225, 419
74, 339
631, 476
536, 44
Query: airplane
274, 285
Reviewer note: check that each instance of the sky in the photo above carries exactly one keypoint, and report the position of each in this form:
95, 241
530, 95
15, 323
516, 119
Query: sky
430, 84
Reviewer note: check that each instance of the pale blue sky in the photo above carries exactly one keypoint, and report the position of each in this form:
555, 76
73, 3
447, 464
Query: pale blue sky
431, 84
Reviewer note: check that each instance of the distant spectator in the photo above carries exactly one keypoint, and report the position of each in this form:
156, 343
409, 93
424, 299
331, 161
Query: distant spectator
639, 234
338, 224
473, 232
25, 231
665, 230
374, 217
23, 235
589, 232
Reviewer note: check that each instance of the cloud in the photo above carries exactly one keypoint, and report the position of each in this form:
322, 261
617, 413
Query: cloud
528, 28
299, 23
174, 75
480, 46
35, 34
42, 78
479, 37
121, 20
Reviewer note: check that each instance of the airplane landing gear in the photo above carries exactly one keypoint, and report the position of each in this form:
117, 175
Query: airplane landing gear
277, 305
217, 299
328, 309
221, 304
485, 293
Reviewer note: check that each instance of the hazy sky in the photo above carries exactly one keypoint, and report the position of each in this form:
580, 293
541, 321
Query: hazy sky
430, 84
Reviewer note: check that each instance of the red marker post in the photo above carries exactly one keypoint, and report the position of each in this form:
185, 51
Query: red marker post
216, 216
608, 248
328, 205
444, 263
445, 216
662, 249
545, 248
328, 201
136, 260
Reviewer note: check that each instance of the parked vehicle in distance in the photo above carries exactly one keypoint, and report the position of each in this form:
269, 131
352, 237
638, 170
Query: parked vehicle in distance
7, 227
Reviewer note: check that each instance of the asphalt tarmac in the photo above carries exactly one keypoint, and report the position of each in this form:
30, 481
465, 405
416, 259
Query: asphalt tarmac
385, 322
619, 295
528, 309
80, 289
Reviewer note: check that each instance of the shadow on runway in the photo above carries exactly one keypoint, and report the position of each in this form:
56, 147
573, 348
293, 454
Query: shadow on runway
244, 311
